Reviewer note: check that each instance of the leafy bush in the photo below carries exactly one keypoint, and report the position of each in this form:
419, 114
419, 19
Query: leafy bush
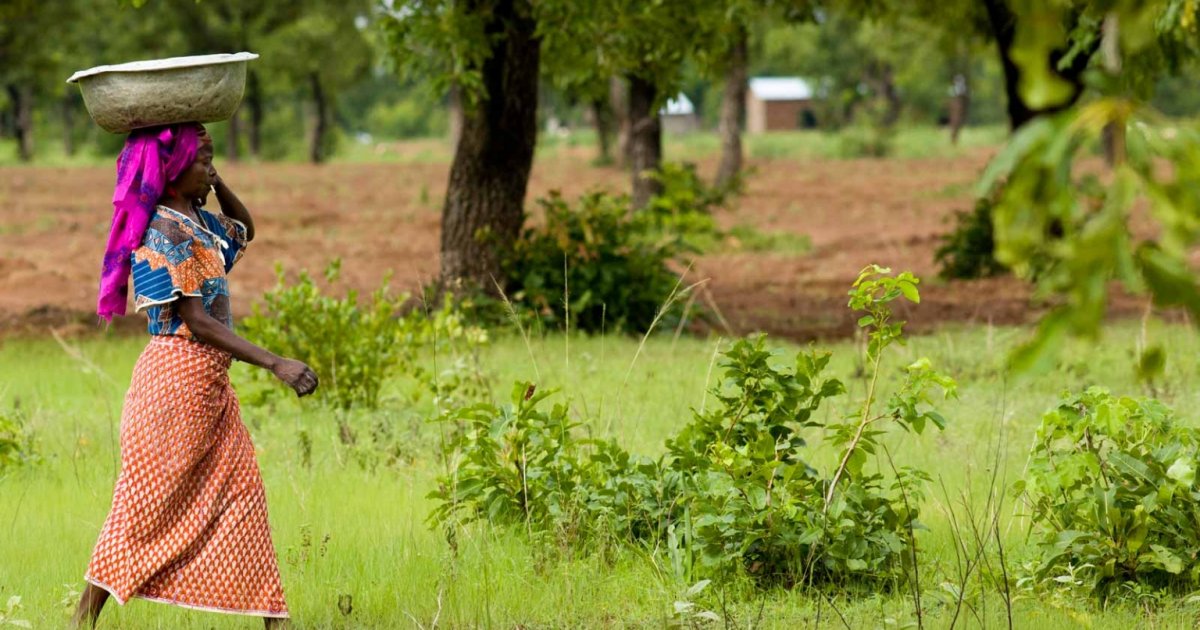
1111, 488
16, 443
516, 464
756, 505
970, 250
355, 348
351, 348
865, 140
684, 209
733, 493
618, 277
614, 261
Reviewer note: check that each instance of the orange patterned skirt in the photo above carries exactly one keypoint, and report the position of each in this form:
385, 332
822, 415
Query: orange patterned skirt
188, 524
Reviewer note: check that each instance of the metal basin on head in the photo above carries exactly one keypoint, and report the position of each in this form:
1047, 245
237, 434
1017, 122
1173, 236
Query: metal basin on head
202, 88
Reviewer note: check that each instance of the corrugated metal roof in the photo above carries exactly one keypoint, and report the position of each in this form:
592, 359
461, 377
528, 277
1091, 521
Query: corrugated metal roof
681, 105
780, 88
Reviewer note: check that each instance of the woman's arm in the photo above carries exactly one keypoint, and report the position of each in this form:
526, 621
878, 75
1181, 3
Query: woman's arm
233, 207
208, 330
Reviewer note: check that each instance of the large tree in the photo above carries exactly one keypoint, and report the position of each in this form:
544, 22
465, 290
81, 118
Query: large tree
1074, 229
322, 51
726, 55
30, 61
649, 44
490, 51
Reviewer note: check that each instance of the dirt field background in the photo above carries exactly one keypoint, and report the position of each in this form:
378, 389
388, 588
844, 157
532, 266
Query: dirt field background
53, 223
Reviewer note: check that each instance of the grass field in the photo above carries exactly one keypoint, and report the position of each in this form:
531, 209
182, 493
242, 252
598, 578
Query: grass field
344, 531
907, 142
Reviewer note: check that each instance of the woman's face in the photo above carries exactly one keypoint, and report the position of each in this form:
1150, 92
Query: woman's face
194, 182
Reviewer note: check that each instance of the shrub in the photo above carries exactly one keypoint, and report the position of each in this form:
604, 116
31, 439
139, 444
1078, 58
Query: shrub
869, 134
355, 348
865, 140
616, 262
618, 277
684, 209
757, 505
969, 250
17, 446
733, 494
1111, 489
351, 348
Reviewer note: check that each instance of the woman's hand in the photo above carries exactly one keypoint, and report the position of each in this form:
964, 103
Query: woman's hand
297, 375
231, 206
208, 330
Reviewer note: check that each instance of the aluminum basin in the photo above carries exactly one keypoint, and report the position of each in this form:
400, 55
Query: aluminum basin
203, 88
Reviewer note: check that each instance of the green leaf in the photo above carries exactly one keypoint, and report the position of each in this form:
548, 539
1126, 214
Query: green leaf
1170, 562
1039, 354
910, 292
1183, 471
1151, 363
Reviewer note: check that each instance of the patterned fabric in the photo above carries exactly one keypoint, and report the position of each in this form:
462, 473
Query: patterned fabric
188, 524
152, 157
180, 257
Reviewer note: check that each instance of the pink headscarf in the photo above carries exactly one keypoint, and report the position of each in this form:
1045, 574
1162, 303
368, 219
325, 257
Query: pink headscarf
152, 158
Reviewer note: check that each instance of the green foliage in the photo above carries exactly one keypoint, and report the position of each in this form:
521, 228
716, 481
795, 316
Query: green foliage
613, 265
1059, 219
9, 614
518, 465
865, 138
413, 116
1074, 231
684, 209
755, 505
749, 239
733, 494
351, 348
1112, 496
355, 348
17, 446
599, 258
969, 250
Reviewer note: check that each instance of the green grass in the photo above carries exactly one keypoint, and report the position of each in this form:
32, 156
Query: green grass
381, 552
908, 142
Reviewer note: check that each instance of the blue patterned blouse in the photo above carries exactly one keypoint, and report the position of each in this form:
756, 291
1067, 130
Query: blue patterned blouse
180, 257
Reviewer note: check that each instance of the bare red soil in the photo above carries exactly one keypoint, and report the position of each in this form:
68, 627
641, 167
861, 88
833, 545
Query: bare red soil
380, 217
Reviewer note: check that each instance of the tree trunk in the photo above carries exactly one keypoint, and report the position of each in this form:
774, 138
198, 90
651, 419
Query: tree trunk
733, 110
891, 95
960, 94
22, 102
254, 105
456, 115
619, 97
645, 139
1004, 29
960, 104
485, 199
1113, 133
880, 77
233, 144
316, 152
602, 119
68, 124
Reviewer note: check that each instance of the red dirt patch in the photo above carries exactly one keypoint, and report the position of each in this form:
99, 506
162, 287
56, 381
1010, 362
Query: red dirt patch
386, 216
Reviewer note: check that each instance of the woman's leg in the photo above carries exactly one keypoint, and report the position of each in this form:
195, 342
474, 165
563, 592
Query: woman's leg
90, 604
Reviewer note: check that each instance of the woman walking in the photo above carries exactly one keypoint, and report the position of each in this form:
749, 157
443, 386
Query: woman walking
188, 524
